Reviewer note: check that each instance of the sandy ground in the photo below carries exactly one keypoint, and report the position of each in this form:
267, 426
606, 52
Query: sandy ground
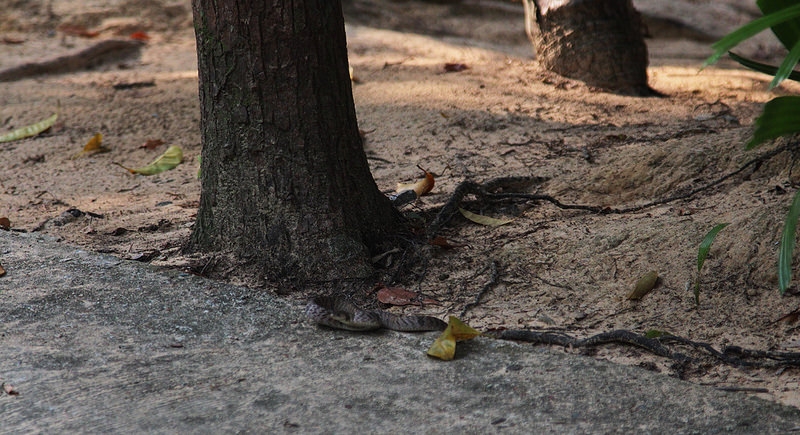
560, 270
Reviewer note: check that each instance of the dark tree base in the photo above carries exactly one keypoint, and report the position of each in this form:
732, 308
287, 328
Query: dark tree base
286, 189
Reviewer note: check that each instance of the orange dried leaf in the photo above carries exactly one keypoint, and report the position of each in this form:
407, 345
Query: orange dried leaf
140, 36
5, 223
94, 146
2, 271
399, 296
420, 187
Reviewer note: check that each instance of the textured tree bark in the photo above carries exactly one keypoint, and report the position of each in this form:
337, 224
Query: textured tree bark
600, 42
286, 189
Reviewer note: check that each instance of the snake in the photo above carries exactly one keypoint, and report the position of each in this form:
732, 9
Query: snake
339, 313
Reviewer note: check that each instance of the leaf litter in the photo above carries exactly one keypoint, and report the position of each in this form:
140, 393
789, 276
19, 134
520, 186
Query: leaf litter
30, 130
171, 158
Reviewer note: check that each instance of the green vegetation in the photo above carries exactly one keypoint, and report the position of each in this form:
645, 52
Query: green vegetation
702, 253
781, 115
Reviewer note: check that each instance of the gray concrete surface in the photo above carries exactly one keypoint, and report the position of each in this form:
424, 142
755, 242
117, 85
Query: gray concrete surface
94, 344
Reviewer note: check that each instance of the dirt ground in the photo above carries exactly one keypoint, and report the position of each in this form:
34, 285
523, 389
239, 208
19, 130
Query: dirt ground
559, 270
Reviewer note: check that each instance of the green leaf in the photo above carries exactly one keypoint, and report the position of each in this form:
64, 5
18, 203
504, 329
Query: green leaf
787, 245
787, 66
702, 254
781, 116
789, 32
762, 67
705, 245
751, 29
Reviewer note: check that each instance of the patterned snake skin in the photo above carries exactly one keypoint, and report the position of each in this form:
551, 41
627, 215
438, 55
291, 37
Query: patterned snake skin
341, 314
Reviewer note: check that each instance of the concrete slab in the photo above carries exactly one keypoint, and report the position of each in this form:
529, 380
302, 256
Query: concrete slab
95, 344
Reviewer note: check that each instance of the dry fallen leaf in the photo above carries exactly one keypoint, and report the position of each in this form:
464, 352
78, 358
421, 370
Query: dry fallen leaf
399, 296
643, 286
461, 331
30, 130
94, 146
444, 347
140, 36
5, 223
483, 220
171, 158
420, 187
2, 271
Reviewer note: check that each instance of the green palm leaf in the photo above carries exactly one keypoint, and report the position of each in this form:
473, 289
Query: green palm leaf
781, 116
751, 29
788, 32
787, 66
761, 67
787, 244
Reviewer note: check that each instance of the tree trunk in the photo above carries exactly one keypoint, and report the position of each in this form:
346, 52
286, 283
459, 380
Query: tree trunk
600, 42
286, 189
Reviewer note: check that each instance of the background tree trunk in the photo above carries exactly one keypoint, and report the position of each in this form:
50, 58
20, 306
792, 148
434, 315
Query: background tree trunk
286, 188
600, 42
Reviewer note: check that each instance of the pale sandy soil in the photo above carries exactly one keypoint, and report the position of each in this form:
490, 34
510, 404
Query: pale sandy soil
562, 270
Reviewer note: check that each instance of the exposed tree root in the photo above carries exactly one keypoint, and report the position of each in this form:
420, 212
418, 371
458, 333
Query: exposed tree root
488, 191
732, 355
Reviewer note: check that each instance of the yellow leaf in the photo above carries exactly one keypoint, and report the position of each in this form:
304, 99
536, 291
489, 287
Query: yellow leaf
171, 158
30, 130
484, 220
460, 330
444, 347
94, 146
